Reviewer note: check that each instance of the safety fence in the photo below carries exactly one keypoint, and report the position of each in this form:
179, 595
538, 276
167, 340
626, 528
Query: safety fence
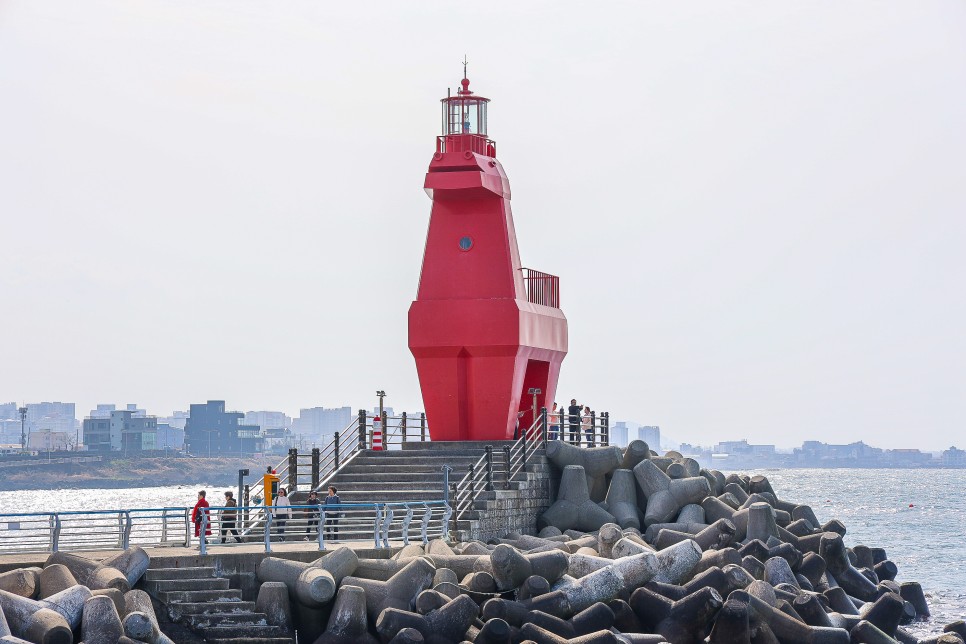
380, 523
592, 430
313, 470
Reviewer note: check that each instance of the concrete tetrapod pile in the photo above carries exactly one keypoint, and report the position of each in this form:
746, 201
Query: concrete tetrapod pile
767, 570
73, 598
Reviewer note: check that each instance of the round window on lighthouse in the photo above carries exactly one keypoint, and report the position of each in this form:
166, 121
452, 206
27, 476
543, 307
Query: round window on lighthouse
466, 243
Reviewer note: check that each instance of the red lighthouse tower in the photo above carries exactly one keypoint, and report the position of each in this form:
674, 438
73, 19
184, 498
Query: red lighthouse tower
483, 329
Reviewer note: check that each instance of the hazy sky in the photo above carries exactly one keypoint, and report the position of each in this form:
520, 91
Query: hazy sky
756, 208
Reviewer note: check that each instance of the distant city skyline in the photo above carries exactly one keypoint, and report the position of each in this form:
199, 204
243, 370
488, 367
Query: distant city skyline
756, 211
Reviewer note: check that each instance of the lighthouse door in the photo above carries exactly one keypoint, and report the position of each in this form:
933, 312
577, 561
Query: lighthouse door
536, 377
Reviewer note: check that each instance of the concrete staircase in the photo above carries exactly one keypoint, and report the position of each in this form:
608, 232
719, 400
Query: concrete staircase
415, 473
210, 607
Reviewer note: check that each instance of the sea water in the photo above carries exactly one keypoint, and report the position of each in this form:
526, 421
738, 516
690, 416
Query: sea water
917, 515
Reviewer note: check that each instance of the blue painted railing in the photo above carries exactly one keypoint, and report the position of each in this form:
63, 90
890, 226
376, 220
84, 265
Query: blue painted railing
26, 532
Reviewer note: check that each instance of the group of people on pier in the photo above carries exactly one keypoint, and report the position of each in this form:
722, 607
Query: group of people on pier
311, 509
580, 420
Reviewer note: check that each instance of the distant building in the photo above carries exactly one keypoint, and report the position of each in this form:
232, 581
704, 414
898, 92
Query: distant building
177, 419
211, 430
121, 431
102, 411
169, 438
8, 411
277, 440
650, 434
47, 440
55, 416
953, 457
743, 447
618, 433
10, 431
906, 457
268, 420
319, 423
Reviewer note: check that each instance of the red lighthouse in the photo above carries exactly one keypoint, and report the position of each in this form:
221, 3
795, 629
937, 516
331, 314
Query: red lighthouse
483, 329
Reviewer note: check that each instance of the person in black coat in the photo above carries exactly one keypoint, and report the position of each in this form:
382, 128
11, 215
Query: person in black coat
332, 516
574, 412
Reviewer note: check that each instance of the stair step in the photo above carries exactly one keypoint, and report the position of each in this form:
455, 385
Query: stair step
202, 572
229, 596
209, 583
203, 620
251, 640
226, 632
186, 609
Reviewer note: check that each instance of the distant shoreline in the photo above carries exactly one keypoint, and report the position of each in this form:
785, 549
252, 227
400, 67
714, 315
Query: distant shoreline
120, 473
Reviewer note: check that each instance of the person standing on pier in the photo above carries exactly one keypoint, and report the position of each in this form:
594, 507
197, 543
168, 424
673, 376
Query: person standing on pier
332, 516
199, 514
574, 412
228, 517
587, 424
283, 510
556, 420
312, 514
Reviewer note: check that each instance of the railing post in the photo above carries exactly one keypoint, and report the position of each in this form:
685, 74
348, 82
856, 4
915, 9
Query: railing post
424, 528
55, 536
316, 460
404, 431
406, 521
506, 461
362, 429
336, 449
422, 427
293, 470
446, 470
546, 426
164, 526
126, 539
376, 525
120, 529
247, 497
592, 439
605, 429
472, 482
489, 468
523, 441
187, 528
202, 532
386, 522
268, 530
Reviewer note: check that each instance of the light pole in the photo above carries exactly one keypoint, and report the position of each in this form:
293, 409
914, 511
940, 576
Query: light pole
381, 394
536, 392
23, 430
210, 432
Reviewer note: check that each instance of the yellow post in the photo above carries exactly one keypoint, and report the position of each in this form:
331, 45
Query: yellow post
270, 485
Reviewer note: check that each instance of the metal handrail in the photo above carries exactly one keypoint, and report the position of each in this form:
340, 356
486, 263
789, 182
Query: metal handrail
542, 288
79, 530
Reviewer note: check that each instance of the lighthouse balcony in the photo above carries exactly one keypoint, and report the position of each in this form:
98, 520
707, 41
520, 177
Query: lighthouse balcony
542, 288
476, 143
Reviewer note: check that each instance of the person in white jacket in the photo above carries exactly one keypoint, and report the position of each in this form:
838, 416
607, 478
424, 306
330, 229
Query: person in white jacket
282, 512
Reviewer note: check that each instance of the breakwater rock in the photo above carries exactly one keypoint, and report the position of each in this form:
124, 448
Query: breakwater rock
73, 598
643, 548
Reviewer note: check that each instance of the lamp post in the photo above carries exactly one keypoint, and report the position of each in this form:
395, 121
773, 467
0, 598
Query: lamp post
23, 428
535, 392
381, 394
210, 432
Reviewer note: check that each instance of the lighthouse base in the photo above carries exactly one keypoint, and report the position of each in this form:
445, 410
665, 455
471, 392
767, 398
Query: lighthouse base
478, 359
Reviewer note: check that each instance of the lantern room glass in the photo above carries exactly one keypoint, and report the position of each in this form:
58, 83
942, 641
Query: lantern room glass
464, 116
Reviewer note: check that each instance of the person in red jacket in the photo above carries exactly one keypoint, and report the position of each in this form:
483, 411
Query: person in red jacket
200, 510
